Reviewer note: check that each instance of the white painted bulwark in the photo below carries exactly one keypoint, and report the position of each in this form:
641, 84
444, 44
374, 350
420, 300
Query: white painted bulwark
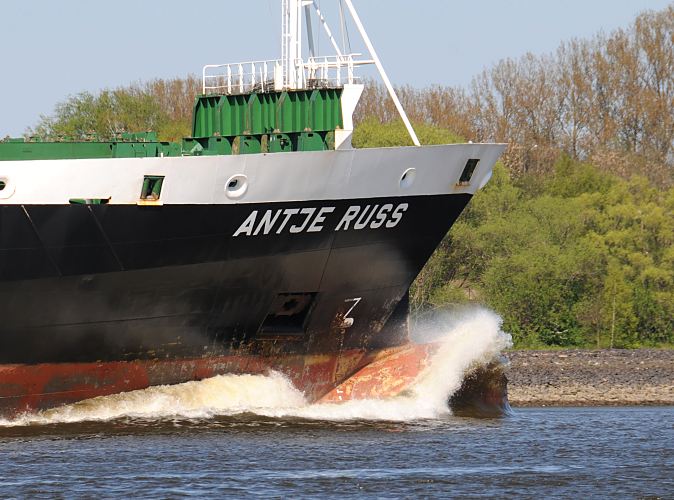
271, 177
350, 96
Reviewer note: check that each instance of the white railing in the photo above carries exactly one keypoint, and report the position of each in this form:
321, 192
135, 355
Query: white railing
266, 76
333, 70
240, 78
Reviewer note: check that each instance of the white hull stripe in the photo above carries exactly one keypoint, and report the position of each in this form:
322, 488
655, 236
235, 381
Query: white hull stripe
260, 178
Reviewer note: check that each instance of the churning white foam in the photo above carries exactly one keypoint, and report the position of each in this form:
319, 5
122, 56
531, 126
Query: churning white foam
468, 339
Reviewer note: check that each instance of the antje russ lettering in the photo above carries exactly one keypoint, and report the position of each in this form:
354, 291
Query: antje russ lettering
315, 219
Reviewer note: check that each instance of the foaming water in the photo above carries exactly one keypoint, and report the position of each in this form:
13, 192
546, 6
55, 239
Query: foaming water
470, 338
219, 395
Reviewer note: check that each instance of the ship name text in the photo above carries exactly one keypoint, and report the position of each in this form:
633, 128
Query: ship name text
315, 219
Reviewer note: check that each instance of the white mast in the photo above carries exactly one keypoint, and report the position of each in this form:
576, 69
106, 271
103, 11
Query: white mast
291, 43
291, 72
325, 25
384, 77
310, 31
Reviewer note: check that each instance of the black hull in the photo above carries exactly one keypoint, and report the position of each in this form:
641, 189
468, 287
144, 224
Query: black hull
119, 283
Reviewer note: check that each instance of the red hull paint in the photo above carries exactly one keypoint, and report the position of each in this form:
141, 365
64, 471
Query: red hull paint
352, 374
389, 374
483, 391
26, 388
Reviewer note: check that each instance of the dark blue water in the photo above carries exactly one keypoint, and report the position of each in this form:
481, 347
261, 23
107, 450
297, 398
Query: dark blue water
569, 452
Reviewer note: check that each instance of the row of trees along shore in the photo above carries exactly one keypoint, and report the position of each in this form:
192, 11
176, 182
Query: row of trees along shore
572, 241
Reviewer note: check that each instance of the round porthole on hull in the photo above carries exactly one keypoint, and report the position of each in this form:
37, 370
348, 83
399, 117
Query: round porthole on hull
236, 186
6, 188
407, 179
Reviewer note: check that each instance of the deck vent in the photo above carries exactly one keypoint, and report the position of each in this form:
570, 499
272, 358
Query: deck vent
152, 185
288, 314
3, 185
468, 171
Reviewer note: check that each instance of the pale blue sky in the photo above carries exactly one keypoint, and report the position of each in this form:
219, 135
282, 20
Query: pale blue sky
51, 49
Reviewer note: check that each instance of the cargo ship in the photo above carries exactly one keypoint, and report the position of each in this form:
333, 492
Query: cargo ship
264, 241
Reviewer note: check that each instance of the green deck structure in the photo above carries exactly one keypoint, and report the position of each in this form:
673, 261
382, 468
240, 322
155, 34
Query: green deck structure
129, 146
222, 124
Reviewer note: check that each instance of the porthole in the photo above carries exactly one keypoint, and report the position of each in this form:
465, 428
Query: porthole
236, 186
6, 188
407, 179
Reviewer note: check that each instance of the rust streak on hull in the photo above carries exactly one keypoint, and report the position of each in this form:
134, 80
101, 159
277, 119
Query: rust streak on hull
391, 373
348, 375
25, 388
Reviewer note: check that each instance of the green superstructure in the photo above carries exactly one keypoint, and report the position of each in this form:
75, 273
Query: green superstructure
126, 146
222, 124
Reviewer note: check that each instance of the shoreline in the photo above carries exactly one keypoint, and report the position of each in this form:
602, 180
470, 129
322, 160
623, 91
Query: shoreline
584, 377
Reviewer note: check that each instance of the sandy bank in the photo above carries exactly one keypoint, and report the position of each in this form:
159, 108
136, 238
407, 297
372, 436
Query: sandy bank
591, 377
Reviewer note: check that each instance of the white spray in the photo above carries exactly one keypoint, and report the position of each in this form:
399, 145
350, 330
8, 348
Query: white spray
470, 338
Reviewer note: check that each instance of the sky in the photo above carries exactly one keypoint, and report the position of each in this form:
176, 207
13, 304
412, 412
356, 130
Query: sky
56, 48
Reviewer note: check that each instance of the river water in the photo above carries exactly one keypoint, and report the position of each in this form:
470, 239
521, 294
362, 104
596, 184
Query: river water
256, 436
602, 452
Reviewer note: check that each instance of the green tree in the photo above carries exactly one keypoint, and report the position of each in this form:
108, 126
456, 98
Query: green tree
371, 133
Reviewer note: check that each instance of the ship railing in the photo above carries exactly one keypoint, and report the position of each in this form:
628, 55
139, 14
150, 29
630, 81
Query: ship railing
240, 78
331, 71
268, 76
